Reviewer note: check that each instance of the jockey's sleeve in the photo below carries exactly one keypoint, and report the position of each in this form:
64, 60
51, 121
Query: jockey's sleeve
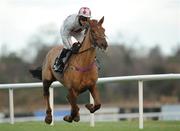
65, 32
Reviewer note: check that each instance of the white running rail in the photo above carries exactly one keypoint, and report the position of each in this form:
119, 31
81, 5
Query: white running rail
139, 78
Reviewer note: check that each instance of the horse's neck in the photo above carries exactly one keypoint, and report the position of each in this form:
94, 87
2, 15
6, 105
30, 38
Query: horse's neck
88, 56
86, 42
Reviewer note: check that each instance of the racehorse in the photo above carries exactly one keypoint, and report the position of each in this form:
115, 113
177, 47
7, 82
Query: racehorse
80, 73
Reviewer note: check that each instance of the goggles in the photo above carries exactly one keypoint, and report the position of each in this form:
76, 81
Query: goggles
83, 18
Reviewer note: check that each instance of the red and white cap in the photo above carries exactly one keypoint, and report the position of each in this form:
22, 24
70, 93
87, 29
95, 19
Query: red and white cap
84, 11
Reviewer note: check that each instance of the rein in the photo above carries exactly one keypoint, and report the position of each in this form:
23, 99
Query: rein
92, 47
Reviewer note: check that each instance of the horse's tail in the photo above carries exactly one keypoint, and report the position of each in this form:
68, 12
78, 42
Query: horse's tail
36, 73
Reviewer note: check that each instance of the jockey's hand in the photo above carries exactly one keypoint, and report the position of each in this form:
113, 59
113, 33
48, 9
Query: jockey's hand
75, 47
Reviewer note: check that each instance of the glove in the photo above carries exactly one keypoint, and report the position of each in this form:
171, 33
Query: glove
75, 47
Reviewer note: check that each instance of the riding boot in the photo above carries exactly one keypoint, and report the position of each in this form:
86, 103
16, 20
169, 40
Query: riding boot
59, 63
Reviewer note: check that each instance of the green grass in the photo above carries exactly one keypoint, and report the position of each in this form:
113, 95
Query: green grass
99, 126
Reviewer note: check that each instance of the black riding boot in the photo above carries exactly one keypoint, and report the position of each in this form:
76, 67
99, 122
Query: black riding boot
59, 63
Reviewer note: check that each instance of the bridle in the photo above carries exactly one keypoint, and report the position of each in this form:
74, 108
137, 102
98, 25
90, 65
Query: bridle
93, 41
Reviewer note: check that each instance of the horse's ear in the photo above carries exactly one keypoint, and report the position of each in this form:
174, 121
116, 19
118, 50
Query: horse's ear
101, 21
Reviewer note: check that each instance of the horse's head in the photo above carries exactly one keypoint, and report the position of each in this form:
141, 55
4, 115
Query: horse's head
98, 33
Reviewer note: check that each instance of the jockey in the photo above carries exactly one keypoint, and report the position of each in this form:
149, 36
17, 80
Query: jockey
73, 26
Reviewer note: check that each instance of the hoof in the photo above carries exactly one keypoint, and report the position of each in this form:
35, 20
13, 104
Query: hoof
90, 107
77, 118
97, 107
48, 119
68, 119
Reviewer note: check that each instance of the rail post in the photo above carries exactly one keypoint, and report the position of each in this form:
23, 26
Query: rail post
140, 86
11, 105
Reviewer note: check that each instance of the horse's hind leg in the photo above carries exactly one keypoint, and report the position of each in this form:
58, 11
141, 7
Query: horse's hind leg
46, 85
72, 98
95, 94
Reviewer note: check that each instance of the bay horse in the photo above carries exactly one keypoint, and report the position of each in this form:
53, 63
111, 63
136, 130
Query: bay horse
80, 74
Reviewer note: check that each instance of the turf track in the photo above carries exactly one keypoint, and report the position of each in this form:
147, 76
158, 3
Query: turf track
100, 126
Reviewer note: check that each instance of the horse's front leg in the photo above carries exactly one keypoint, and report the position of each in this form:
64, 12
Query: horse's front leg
46, 85
95, 94
72, 98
